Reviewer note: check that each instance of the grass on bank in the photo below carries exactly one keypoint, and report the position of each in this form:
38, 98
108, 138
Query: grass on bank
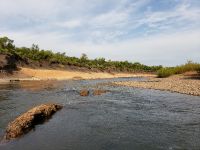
168, 71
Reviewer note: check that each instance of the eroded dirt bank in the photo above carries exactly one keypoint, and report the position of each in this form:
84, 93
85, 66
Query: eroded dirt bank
53, 74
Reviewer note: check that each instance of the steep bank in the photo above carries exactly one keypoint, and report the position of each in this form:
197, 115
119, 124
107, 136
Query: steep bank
178, 83
50, 74
13, 68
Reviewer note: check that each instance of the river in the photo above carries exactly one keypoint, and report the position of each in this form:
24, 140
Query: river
124, 118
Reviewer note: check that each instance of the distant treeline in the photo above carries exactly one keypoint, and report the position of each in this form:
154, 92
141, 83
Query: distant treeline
35, 54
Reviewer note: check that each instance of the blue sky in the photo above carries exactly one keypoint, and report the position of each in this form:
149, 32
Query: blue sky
152, 32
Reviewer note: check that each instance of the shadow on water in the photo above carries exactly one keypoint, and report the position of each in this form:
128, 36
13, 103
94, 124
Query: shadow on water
123, 118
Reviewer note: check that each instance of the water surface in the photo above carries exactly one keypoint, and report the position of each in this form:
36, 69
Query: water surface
123, 119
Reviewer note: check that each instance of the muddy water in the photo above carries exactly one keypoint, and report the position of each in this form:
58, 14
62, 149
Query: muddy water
122, 119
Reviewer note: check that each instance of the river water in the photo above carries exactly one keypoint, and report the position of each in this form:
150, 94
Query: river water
124, 118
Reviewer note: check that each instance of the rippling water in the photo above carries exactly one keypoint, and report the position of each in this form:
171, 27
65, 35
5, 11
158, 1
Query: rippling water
122, 119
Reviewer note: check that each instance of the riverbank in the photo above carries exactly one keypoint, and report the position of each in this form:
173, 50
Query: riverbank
29, 74
178, 83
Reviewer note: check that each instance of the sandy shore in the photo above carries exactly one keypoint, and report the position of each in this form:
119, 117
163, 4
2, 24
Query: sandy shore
26, 74
178, 83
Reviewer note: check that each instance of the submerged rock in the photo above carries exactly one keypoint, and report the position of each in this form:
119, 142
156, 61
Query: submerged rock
28, 120
84, 92
99, 92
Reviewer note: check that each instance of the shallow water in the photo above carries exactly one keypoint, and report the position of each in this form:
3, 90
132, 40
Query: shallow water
123, 119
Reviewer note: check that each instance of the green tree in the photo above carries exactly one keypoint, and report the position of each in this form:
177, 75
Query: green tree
6, 44
84, 57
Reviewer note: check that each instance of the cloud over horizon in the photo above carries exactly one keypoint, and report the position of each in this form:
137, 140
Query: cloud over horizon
152, 32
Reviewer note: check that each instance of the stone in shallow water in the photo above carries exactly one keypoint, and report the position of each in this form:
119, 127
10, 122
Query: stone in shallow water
99, 92
84, 92
28, 120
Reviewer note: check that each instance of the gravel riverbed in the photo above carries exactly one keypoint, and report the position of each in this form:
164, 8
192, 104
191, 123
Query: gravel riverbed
176, 83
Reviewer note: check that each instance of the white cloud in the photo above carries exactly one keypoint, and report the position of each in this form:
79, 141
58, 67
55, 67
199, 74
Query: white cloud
36, 8
181, 14
69, 24
113, 29
162, 49
110, 19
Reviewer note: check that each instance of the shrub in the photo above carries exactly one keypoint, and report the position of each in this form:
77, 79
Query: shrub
189, 66
168, 71
198, 69
165, 72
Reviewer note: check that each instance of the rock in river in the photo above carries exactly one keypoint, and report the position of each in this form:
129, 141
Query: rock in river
28, 120
84, 92
99, 92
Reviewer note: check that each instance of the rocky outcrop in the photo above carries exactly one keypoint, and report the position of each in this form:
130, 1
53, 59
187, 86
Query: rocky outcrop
28, 120
99, 92
84, 92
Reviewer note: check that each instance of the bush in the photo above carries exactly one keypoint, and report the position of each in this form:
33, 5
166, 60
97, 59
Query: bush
168, 71
165, 72
189, 66
198, 70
